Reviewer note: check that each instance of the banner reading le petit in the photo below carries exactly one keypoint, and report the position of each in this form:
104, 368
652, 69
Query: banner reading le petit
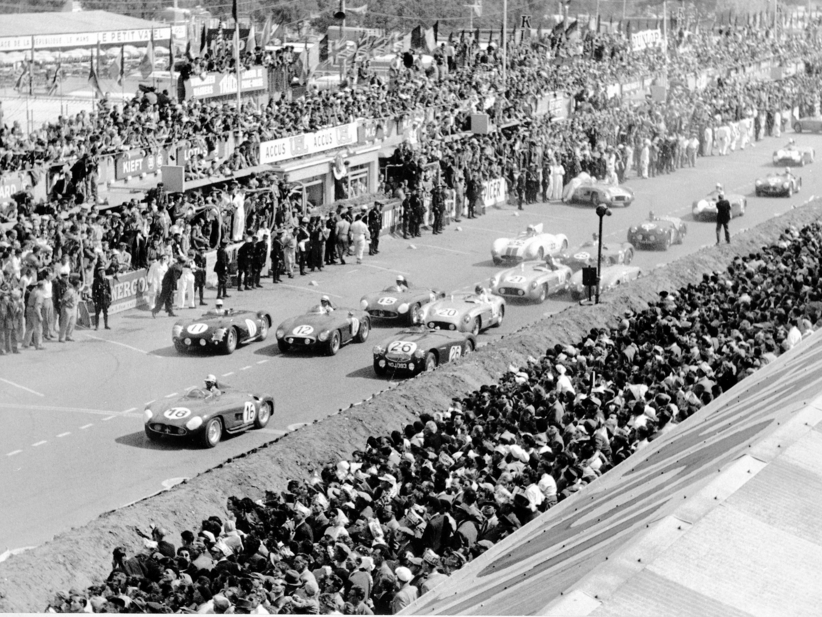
308, 143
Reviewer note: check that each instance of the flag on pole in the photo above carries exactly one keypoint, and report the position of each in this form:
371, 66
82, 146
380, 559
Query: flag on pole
203, 40
430, 40
324, 48
147, 61
234, 11
358, 10
23, 75
122, 76
251, 40
93, 80
266, 37
114, 70
417, 38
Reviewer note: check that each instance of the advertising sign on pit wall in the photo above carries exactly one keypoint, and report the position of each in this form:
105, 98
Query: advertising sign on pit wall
132, 163
128, 291
494, 192
308, 143
11, 184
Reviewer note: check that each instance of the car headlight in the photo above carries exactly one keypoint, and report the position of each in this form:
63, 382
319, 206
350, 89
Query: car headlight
758, 182
280, 333
323, 335
177, 331
188, 341
149, 414
195, 423
534, 285
403, 308
632, 230
378, 350
466, 319
364, 304
786, 185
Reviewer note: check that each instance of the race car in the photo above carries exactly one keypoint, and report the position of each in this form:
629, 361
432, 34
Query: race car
532, 280
419, 349
532, 243
813, 124
220, 329
705, 209
586, 255
466, 312
205, 416
395, 303
794, 155
658, 232
778, 185
596, 193
611, 276
323, 328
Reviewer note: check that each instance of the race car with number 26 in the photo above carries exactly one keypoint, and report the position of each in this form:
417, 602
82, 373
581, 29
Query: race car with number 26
222, 330
206, 416
419, 349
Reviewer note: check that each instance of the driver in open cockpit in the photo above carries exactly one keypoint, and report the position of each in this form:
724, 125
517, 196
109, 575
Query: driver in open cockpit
212, 386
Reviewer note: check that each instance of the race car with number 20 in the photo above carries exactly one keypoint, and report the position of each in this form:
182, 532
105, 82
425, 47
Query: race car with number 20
206, 416
419, 349
220, 330
466, 312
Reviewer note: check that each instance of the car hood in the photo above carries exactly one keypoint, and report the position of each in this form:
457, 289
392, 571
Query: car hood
320, 322
196, 407
215, 321
774, 179
790, 152
517, 277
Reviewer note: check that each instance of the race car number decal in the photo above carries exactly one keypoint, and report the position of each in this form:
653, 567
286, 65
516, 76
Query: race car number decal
515, 279
197, 328
303, 330
249, 412
177, 413
647, 226
252, 327
447, 312
454, 353
581, 256
387, 301
402, 347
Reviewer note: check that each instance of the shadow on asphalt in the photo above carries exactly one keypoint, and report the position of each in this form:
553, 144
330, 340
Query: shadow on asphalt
366, 372
139, 440
488, 263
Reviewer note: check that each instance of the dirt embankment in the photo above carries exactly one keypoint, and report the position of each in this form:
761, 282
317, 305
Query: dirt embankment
82, 556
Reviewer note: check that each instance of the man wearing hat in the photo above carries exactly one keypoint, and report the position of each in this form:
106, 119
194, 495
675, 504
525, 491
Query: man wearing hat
245, 263
723, 216
221, 270
276, 254
432, 573
406, 592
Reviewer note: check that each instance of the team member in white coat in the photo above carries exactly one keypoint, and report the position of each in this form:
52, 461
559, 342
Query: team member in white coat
185, 287
156, 272
359, 236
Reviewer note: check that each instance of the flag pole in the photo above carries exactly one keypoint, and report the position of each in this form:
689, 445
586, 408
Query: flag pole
171, 89
504, 46
239, 76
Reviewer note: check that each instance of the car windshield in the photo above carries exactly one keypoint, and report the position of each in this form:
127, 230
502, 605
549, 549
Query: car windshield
317, 309
392, 289
415, 329
198, 393
541, 268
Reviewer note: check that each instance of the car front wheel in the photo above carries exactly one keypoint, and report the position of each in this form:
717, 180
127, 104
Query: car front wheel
333, 345
264, 326
212, 433
229, 341
264, 414
362, 333
543, 293
475, 326
152, 435
501, 316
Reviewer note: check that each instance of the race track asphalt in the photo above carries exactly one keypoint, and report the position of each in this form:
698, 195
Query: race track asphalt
72, 444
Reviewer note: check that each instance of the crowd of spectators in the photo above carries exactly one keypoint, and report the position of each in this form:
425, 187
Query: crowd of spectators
373, 533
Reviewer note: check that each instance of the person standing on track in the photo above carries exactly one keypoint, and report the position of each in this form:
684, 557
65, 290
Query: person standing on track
101, 295
360, 236
276, 255
34, 318
221, 270
342, 233
68, 318
245, 262
723, 217
169, 284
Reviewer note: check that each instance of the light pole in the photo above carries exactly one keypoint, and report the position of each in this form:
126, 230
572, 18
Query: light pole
602, 212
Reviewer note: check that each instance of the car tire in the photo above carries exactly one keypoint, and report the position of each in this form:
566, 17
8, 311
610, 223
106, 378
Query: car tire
497, 261
475, 328
365, 329
758, 193
263, 417
229, 342
501, 316
212, 433
333, 344
284, 345
413, 311
180, 347
564, 246
430, 361
797, 127
543, 293
152, 436
379, 370
264, 327
789, 192
469, 347
629, 257
668, 241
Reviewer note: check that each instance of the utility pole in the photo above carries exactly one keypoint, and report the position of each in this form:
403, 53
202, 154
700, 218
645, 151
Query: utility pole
504, 46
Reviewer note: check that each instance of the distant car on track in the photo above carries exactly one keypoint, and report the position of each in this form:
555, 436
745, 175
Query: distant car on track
596, 193
320, 328
532, 280
810, 124
793, 155
586, 254
465, 312
532, 243
611, 277
658, 232
220, 330
778, 185
419, 349
705, 209
393, 303
205, 416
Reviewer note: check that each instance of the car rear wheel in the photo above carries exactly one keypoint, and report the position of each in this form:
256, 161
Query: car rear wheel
501, 316
212, 433
264, 326
668, 241
430, 361
543, 293
152, 435
264, 414
229, 341
789, 192
333, 344
475, 326
362, 333
629, 257
283, 345
180, 346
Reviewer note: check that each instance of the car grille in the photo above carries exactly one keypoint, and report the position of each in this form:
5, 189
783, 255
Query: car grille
620, 198
382, 314
441, 325
166, 429
300, 340
511, 291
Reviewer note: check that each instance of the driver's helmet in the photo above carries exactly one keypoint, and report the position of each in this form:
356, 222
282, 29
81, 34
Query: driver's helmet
325, 301
401, 281
210, 382
219, 304
478, 290
791, 142
718, 187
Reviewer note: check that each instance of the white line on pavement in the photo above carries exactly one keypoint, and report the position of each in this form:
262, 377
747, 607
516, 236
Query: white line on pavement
105, 340
228, 373
442, 248
66, 434
109, 418
352, 271
130, 409
39, 443
245, 368
173, 394
315, 291
17, 385
82, 428
154, 400
384, 269
98, 412
261, 361
13, 452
